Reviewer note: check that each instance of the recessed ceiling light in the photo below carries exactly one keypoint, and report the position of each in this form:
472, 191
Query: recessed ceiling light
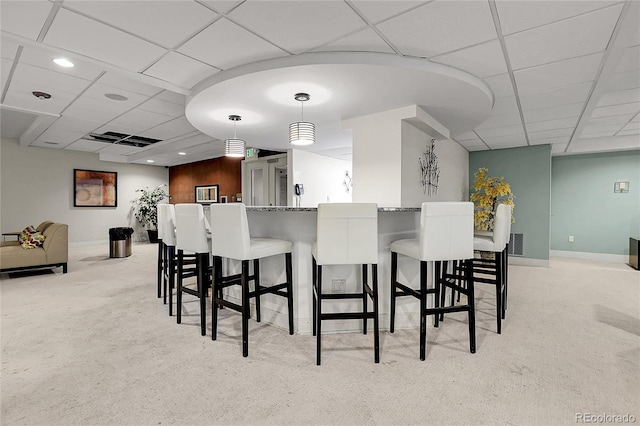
149, 161
116, 97
64, 62
182, 153
41, 95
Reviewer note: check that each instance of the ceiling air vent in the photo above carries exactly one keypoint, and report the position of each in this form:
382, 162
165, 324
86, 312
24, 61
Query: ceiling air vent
122, 139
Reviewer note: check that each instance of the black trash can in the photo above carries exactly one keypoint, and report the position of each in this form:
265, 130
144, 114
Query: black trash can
120, 242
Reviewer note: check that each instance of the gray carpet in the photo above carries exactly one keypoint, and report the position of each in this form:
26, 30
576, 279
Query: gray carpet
96, 347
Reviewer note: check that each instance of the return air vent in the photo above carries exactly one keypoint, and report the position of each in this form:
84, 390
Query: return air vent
122, 139
516, 242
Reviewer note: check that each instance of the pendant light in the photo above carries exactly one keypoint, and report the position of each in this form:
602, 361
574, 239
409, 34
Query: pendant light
234, 147
302, 132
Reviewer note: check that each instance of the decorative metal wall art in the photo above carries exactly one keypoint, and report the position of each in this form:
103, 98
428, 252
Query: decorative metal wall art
347, 182
429, 169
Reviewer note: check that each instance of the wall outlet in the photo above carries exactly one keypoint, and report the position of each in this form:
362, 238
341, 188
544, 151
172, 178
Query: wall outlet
338, 285
570, 238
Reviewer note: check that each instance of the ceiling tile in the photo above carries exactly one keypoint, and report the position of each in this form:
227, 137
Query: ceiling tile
160, 106
500, 85
559, 123
176, 127
39, 78
612, 119
467, 136
620, 97
473, 145
376, 11
631, 126
166, 23
83, 35
506, 105
601, 130
564, 140
558, 148
67, 130
558, 74
439, 27
297, 26
482, 60
511, 141
550, 113
224, 45
85, 145
121, 82
501, 120
5, 69
630, 108
521, 15
24, 18
628, 132
110, 148
578, 36
173, 97
363, 41
221, 6
19, 95
8, 49
624, 80
562, 96
92, 109
99, 91
44, 59
556, 133
140, 120
180, 70
630, 60
499, 131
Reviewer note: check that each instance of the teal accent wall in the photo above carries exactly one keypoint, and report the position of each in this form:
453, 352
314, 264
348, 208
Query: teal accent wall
585, 206
528, 171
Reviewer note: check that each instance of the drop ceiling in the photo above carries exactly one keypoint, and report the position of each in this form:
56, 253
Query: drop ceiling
564, 73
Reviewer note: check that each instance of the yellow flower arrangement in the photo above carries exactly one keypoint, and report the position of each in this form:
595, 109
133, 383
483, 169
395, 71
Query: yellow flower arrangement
489, 192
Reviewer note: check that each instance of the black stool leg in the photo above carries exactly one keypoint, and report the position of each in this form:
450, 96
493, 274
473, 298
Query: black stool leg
245, 308
498, 259
256, 274
160, 258
171, 273
215, 295
319, 314
203, 266
314, 290
376, 324
179, 291
471, 302
289, 273
394, 280
423, 310
441, 290
364, 298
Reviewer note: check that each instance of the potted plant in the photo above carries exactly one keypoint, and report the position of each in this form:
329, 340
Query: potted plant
146, 209
489, 192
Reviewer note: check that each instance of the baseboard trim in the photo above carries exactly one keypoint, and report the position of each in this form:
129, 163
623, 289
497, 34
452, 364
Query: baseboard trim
602, 257
526, 261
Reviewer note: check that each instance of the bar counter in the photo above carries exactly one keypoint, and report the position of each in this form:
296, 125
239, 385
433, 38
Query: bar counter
298, 225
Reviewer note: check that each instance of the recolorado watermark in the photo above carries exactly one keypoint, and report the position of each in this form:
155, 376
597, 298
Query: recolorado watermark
605, 418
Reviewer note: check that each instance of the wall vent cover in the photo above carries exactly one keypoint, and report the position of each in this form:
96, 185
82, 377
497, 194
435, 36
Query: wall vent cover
516, 242
122, 139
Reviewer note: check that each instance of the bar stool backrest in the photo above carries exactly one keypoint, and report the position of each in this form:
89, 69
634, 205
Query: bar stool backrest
347, 233
230, 231
166, 224
446, 231
191, 232
502, 226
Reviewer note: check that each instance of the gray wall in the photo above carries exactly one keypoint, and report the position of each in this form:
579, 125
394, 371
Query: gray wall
36, 184
584, 205
528, 171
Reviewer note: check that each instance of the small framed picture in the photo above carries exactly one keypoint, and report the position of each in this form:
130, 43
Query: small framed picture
207, 194
223, 198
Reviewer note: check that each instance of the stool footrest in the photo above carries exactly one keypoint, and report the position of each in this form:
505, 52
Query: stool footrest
346, 315
228, 304
341, 296
190, 291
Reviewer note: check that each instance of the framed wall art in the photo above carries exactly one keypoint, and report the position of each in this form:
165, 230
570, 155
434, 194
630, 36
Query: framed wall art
93, 188
207, 194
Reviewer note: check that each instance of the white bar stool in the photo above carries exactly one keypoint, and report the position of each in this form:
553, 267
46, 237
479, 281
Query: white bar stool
231, 240
191, 236
494, 271
347, 234
446, 234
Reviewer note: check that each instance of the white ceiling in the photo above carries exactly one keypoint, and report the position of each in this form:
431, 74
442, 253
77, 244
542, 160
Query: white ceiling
565, 73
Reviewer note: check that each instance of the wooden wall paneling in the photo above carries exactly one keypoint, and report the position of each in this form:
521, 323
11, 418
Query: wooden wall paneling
223, 171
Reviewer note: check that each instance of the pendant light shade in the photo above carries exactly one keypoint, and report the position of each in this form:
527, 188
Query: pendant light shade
234, 147
302, 132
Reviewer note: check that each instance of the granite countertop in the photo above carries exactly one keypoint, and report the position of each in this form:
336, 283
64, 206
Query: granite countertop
313, 209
